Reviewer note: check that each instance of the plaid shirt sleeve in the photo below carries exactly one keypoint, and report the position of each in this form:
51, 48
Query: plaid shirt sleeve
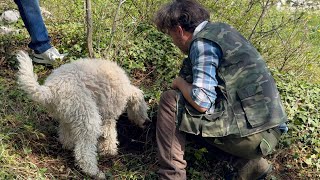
204, 55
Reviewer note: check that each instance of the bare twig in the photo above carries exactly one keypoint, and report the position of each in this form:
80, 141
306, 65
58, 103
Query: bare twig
89, 28
260, 18
251, 3
114, 24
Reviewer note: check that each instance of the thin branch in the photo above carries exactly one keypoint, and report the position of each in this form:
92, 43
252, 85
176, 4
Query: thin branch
261, 15
251, 3
114, 23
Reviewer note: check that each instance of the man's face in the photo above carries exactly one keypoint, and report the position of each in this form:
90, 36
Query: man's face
180, 38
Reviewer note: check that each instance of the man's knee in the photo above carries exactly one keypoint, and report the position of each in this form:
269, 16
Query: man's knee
168, 98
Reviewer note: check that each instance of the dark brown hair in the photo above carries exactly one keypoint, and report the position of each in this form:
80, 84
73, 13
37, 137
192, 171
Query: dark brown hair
186, 13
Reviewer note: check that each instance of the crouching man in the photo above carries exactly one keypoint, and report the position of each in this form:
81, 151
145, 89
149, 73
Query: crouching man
224, 94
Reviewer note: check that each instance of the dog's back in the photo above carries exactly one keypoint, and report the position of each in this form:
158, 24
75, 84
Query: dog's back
89, 71
101, 81
104, 79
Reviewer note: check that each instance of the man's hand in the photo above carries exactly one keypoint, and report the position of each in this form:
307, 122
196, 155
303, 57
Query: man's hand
179, 83
186, 88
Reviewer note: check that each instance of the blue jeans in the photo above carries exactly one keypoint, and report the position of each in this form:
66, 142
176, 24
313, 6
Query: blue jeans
31, 16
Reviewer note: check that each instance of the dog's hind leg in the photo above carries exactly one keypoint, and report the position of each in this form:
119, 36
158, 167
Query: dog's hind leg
85, 150
82, 115
108, 144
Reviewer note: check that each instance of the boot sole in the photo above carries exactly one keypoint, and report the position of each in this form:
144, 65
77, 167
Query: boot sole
264, 175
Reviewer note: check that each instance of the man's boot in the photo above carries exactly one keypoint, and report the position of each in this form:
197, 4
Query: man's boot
253, 169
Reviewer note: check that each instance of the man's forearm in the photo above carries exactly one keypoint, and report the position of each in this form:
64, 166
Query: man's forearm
186, 90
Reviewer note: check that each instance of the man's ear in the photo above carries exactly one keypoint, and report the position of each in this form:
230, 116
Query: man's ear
180, 30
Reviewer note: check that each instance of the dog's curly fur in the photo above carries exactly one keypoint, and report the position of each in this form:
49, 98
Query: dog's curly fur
87, 96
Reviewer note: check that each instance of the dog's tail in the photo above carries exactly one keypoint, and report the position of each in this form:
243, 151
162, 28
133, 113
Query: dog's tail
28, 80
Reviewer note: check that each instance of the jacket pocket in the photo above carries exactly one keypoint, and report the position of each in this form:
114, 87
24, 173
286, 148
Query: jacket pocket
254, 105
218, 110
190, 120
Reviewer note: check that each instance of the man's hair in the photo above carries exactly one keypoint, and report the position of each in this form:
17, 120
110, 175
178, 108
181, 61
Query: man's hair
186, 13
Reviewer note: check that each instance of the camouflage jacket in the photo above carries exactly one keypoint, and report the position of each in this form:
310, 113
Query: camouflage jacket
247, 97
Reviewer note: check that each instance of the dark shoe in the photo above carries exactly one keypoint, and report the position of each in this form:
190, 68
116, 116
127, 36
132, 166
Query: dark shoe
255, 169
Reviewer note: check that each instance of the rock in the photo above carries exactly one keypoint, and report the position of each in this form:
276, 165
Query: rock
10, 16
298, 5
7, 30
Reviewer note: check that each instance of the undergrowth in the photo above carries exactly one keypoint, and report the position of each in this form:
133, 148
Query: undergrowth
28, 135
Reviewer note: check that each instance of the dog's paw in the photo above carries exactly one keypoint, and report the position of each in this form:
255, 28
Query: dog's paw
113, 152
100, 175
105, 152
107, 149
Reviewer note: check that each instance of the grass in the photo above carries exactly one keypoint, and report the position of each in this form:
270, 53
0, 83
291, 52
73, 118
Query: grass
29, 148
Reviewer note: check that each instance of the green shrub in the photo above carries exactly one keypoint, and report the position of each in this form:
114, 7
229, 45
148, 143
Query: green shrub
302, 101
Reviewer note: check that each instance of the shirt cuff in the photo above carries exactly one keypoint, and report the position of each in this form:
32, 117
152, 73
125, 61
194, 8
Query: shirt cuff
200, 97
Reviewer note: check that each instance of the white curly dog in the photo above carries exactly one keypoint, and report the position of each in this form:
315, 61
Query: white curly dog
87, 96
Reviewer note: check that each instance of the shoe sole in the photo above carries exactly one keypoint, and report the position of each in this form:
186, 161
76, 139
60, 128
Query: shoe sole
41, 61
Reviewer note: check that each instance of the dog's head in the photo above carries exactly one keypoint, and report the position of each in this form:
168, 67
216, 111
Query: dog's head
137, 109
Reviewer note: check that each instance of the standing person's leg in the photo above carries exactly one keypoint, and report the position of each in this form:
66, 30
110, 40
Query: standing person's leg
31, 15
40, 41
171, 142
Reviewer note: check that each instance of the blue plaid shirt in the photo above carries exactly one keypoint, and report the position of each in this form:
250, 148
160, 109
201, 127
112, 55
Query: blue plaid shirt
204, 56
